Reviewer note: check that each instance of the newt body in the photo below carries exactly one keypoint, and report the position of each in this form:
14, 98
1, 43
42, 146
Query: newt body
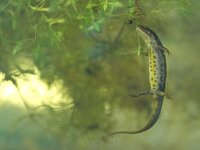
157, 75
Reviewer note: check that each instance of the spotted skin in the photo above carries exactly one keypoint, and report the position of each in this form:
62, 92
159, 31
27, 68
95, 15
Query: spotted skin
157, 70
157, 75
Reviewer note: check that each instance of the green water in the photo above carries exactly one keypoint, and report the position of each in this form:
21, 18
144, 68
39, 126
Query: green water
75, 64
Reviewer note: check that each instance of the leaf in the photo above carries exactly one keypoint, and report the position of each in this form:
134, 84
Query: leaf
42, 9
52, 21
117, 4
17, 48
97, 27
105, 5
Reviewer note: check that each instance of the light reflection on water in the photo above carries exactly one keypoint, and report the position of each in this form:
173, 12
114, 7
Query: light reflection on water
33, 90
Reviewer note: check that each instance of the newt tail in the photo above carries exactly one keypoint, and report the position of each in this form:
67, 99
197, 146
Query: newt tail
154, 118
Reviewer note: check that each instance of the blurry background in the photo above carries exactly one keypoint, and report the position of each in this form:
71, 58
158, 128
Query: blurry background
68, 66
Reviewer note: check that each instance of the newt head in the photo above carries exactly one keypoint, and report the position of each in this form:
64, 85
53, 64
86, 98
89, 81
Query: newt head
148, 35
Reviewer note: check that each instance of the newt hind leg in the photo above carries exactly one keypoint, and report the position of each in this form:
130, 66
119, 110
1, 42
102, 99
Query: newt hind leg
148, 92
167, 95
151, 92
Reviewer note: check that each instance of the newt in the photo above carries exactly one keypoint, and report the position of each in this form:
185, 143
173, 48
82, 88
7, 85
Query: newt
157, 75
